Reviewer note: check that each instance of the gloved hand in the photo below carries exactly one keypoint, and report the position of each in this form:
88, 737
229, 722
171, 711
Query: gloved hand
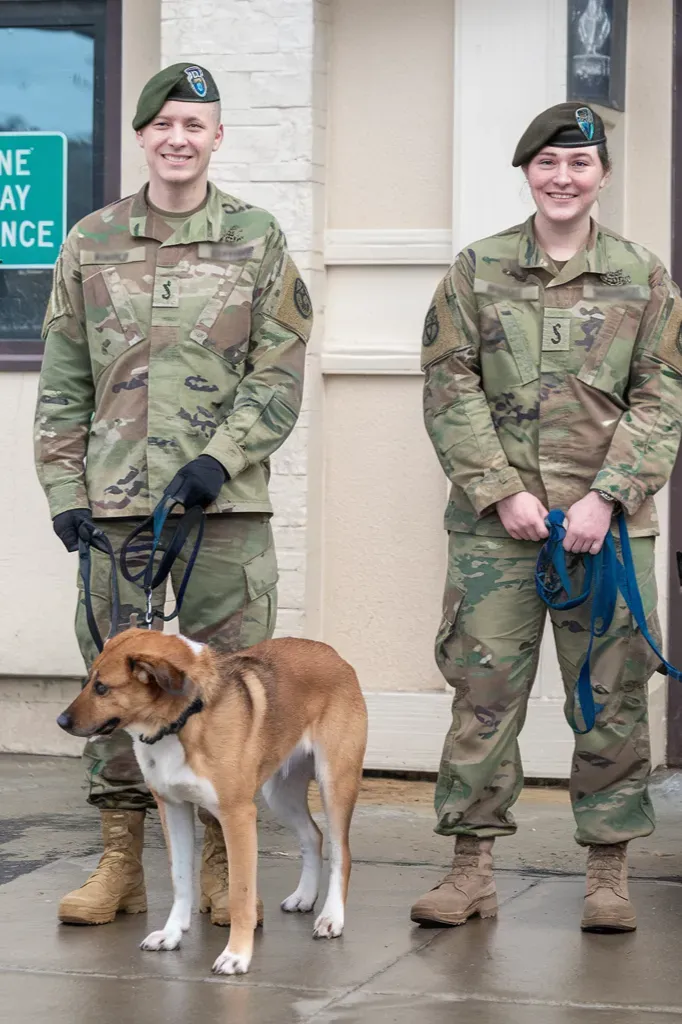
66, 526
199, 482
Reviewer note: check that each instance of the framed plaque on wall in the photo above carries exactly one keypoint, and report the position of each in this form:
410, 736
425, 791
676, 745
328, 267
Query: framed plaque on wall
597, 39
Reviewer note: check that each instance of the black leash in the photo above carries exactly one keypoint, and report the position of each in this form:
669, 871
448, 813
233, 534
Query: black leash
144, 541
87, 539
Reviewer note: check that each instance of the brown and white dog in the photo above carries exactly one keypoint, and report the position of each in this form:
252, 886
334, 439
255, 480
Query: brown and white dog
212, 729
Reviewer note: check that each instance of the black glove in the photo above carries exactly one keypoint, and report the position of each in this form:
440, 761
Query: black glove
66, 526
199, 482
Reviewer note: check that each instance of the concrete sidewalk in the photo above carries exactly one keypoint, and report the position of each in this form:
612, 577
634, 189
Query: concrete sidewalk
532, 965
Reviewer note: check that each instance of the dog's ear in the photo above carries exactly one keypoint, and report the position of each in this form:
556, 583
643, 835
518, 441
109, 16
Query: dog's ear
162, 672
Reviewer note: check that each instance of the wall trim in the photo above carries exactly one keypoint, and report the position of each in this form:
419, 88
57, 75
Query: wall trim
353, 361
388, 246
406, 730
406, 733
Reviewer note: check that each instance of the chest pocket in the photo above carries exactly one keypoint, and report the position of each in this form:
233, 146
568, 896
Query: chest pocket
112, 323
225, 280
605, 326
507, 320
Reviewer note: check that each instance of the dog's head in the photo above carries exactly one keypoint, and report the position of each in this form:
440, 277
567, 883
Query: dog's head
141, 677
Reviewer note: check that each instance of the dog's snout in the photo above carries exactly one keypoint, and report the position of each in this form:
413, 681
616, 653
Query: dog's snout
65, 721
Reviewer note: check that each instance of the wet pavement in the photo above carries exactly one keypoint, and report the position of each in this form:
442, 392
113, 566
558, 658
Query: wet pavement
531, 965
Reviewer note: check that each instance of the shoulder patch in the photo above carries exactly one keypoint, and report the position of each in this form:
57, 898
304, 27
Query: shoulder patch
441, 334
669, 348
58, 305
288, 301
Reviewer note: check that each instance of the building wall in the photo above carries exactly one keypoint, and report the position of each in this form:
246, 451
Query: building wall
405, 192
379, 134
647, 219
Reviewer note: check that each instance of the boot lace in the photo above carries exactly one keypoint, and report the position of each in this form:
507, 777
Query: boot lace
465, 861
606, 866
216, 860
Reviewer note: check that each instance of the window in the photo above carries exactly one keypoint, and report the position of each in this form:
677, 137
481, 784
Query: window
59, 72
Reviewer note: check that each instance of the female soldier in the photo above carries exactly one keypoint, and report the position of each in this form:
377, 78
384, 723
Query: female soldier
553, 380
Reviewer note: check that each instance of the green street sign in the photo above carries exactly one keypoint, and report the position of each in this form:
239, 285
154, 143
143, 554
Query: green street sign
32, 198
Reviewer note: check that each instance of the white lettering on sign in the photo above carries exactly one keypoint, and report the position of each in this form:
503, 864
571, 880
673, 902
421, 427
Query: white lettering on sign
14, 197
44, 232
27, 233
14, 161
22, 193
23, 236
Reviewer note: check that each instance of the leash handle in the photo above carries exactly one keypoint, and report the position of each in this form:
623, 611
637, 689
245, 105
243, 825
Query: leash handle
149, 579
551, 580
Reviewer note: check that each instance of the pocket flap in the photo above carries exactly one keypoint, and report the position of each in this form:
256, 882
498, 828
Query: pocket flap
452, 603
261, 573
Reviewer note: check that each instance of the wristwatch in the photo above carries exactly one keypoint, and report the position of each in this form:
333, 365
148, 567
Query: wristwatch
610, 498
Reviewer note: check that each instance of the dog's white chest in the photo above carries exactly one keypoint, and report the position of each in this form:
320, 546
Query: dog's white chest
166, 771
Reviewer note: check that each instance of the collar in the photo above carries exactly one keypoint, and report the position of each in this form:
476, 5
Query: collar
169, 730
206, 225
592, 259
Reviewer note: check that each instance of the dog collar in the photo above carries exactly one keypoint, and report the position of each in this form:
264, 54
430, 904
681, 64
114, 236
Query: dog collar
174, 727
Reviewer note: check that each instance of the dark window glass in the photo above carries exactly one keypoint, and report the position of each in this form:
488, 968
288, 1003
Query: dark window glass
46, 84
59, 72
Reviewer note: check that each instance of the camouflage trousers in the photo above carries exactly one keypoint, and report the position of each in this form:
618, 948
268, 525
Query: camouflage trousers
487, 648
230, 601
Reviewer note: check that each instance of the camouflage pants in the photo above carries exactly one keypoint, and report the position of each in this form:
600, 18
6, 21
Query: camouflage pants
487, 648
231, 602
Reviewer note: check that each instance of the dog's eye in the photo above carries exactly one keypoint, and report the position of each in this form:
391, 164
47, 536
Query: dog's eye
100, 689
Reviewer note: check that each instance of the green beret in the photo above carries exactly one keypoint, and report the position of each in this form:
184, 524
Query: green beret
186, 82
568, 125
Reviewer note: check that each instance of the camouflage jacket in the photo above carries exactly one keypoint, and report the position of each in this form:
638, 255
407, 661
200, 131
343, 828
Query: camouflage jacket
163, 342
554, 381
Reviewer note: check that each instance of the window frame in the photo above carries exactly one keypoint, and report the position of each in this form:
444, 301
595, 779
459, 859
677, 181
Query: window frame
105, 18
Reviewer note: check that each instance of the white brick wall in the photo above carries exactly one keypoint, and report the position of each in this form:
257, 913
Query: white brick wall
269, 60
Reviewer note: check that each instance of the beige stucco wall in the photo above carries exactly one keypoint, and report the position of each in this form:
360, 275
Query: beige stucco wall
384, 545
647, 215
141, 58
390, 114
389, 168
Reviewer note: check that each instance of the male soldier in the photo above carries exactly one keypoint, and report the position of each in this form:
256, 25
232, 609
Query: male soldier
174, 353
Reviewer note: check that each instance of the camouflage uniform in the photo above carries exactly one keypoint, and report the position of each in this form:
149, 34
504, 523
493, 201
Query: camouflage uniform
553, 381
164, 340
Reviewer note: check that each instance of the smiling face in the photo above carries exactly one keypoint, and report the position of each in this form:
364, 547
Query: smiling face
565, 183
179, 141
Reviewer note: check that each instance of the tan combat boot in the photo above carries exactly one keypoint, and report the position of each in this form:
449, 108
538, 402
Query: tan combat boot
118, 882
467, 889
214, 879
607, 902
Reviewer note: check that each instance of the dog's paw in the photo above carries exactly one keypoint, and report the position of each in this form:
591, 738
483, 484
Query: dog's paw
299, 903
165, 939
231, 963
328, 926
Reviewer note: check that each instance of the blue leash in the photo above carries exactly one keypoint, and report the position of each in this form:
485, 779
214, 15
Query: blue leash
605, 577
